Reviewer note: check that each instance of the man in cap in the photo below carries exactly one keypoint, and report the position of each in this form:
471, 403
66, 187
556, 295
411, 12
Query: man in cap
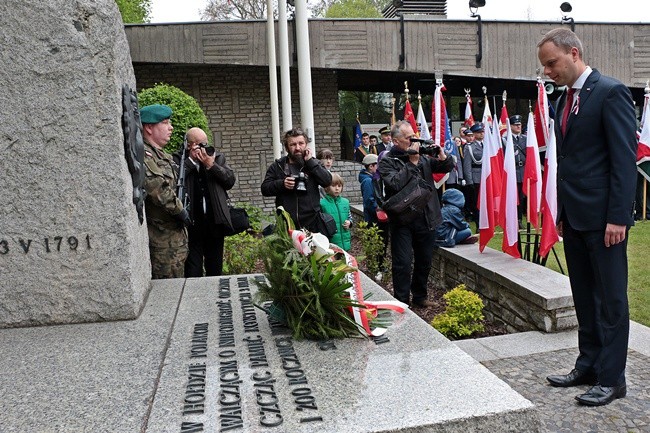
472, 163
166, 217
294, 180
207, 178
386, 140
519, 141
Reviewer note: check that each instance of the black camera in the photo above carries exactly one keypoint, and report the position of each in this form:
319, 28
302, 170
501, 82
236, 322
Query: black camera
208, 149
427, 147
300, 184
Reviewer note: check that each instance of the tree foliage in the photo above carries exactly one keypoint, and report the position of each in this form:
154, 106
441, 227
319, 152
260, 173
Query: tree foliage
217, 10
353, 9
348, 8
134, 11
186, 111
371, 106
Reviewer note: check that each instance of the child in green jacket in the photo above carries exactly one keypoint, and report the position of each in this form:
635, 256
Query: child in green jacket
339, 208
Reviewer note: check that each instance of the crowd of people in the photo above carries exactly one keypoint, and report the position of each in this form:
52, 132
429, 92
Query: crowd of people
596, 188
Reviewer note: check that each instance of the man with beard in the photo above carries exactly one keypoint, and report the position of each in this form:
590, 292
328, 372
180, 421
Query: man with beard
294, 180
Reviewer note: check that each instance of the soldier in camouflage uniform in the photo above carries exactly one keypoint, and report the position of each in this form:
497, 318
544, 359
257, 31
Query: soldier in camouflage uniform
166, 217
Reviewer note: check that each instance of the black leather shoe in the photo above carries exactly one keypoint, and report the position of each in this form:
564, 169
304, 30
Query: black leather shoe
601, 395
576, 377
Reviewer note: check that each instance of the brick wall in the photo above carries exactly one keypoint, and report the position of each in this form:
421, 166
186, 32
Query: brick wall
236, 101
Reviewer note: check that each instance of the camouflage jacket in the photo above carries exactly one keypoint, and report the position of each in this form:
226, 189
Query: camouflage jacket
162, 207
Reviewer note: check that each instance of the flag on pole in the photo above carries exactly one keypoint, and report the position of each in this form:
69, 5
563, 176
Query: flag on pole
643, 151
489, 200
441, 131
357, 134
532, 181
487, 114
469, 118
503, 120
542, 117
549, 196
508, 211
423, 127
409, 116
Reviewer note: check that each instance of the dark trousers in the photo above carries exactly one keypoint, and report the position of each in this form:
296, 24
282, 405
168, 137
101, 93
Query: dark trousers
598, 277
206, 249
411, 243
474, 192
521, 207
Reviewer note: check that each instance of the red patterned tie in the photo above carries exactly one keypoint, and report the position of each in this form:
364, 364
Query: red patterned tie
567, 109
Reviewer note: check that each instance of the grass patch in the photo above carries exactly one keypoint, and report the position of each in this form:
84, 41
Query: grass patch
639, 271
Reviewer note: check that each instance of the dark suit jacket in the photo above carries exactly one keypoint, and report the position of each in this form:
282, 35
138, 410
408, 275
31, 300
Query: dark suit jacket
597, 157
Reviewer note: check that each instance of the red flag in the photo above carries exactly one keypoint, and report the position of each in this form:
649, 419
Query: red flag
439, 129
643, 151
542, 117
469, 118
409, 116
509, 198
489, 200
532, 181
504, 120
549, 196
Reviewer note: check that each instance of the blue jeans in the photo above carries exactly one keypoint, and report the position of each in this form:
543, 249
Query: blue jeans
411, 243
462, 235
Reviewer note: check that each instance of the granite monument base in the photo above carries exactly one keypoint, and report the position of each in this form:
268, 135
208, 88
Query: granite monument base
201, 357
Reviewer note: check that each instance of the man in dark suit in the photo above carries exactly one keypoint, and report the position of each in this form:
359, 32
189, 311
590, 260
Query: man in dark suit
596, 147
207, 178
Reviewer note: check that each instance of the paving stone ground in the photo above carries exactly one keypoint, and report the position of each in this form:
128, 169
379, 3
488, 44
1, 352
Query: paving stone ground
558, 410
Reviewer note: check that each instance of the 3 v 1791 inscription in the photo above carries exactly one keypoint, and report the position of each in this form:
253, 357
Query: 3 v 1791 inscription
54, 244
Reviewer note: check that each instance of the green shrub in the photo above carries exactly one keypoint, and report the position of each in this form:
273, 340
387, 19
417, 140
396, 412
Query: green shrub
186, 111
463, 315
242, 252
372, 245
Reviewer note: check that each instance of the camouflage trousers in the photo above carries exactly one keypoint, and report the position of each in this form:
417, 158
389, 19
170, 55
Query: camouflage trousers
168, 262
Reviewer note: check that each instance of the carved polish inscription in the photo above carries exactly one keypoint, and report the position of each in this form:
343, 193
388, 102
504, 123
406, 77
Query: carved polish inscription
54, 244
255, 350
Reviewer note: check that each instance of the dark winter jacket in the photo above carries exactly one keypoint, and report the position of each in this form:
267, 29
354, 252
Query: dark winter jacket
452, 217
368, 194
396, 174
219, 179
301, 205
339, 208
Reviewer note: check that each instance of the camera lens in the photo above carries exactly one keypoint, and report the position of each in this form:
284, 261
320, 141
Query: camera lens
300, 182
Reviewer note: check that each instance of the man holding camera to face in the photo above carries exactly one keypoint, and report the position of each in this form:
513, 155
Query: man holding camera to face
415, 240
207, 178
294, 180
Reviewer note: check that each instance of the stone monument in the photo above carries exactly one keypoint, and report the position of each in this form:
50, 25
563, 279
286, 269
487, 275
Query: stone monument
72, 248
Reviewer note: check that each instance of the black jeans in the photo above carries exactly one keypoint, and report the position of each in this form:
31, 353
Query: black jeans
206, 249
411, 243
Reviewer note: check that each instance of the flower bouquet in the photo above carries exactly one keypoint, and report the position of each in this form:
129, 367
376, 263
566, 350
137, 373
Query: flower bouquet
314, 286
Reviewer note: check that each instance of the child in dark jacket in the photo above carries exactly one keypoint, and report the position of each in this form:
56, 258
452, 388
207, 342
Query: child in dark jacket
453, 229
339, 208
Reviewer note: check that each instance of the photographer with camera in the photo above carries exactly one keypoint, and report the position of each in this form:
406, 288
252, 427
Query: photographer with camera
294, 179
207, 178
412, 160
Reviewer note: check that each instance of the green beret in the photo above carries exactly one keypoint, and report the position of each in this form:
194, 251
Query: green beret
155, 113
